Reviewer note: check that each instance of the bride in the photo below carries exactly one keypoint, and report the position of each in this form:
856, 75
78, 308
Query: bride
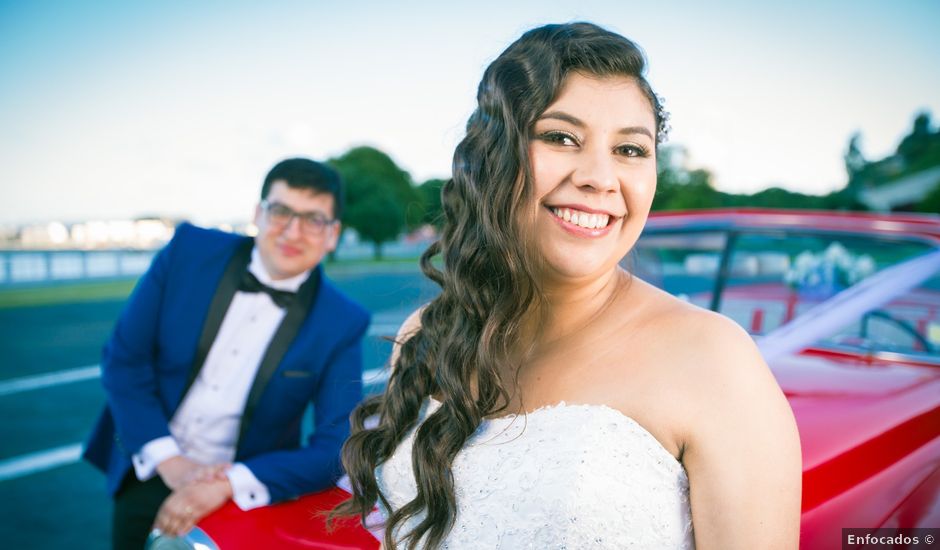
547, 398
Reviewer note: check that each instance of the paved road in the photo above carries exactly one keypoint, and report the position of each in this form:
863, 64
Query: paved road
58, 507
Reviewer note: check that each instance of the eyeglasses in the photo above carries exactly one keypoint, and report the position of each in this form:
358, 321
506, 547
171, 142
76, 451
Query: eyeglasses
280, 216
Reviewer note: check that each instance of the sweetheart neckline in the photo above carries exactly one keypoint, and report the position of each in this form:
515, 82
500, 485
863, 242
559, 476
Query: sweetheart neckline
563, 405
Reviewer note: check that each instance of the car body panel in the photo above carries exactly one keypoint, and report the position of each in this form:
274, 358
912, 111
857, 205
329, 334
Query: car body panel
299, 523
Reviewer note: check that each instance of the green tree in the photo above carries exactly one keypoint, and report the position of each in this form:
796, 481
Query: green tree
364, 168
381, 200
854, 160
678, 188
430, 193
916, 144
931, 203
776, 197
379, 219
843, 199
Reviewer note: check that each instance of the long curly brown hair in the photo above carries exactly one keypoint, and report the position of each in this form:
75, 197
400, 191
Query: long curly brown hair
490, 293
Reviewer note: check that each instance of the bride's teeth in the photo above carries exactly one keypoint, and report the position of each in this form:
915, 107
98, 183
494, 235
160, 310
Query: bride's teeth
582, 219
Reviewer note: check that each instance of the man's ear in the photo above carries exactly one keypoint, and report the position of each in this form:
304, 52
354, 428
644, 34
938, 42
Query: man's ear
336, 229
259, 212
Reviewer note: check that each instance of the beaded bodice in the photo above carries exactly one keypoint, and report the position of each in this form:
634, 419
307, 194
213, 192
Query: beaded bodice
564, 476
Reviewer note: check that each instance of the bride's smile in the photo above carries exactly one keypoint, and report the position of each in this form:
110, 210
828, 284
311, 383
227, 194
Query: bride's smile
593, 166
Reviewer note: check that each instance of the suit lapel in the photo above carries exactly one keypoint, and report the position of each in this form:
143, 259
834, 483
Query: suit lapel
283, 338
224, 293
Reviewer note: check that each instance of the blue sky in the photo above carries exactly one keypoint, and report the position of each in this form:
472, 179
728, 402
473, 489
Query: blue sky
113, 109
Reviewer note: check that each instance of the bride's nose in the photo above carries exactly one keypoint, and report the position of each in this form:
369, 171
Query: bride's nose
595, 171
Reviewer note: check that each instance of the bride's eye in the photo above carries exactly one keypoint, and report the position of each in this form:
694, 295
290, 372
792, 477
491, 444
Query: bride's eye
558, 138
631, 150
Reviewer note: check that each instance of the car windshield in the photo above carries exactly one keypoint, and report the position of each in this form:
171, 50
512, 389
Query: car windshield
683, 264
908, 324
764, 279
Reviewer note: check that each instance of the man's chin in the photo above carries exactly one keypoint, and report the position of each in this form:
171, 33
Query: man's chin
286, 270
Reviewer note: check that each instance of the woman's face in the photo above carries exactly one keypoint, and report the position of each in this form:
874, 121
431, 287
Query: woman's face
594, 169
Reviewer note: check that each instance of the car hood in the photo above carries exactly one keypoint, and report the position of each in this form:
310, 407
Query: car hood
856, 418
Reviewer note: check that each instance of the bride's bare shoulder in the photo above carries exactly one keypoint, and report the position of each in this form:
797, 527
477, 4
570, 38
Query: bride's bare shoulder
691, 345
676, 319
410, 327
707, 360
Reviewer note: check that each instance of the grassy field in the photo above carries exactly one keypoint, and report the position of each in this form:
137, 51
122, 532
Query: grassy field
65, 293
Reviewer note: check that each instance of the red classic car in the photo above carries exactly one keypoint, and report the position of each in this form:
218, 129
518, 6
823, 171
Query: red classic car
845, 308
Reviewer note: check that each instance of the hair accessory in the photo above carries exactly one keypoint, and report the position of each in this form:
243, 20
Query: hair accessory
663, 116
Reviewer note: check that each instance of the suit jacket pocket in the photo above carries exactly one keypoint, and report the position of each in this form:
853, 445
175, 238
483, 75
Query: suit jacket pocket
296, 374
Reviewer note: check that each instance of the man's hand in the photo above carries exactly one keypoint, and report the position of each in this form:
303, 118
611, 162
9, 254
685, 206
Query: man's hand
213, 472
189, 504
177, 471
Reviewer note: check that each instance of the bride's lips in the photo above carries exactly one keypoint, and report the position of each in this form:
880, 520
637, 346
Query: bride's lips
578, 230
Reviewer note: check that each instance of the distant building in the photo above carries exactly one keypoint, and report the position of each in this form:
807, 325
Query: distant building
144, 233
141, 233
904, 193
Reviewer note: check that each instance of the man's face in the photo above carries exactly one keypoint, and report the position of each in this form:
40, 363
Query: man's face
289, 250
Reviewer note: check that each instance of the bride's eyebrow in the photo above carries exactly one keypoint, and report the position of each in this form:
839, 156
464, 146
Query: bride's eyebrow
563, 116
577, 122
636, 130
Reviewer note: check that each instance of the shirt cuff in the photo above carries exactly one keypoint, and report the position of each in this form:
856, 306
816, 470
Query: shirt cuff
152, 454
247, 491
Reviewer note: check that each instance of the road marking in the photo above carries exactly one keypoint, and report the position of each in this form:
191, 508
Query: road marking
80, 374
375, 376
383, 329
40, 461
39, 381
26, 383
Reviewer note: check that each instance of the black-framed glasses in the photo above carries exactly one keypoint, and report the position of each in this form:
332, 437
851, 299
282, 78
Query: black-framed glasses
280, 216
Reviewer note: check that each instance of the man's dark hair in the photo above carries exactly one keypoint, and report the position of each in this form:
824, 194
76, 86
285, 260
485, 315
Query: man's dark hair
301, 173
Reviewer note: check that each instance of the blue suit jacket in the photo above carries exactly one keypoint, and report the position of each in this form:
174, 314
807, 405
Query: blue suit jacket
148, 363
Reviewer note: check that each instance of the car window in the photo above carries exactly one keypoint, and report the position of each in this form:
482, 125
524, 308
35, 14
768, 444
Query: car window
773, 277
908, 324
684, 264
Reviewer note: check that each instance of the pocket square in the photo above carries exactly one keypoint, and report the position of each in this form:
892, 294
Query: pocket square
296, 374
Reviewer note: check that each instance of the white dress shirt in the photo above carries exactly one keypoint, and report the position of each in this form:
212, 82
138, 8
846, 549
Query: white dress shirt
206, 425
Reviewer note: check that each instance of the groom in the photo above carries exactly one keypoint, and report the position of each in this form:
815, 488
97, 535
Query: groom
220, 348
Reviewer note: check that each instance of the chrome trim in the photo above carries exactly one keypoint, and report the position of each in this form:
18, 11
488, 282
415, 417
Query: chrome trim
900, 357
878, 355
195, 539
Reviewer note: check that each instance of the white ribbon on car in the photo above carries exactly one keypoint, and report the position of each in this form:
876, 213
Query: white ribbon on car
835, 313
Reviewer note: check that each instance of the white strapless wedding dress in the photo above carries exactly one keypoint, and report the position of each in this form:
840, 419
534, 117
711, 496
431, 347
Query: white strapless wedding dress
564, 476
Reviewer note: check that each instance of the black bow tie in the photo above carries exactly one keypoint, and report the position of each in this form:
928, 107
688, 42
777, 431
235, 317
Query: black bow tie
250, 283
